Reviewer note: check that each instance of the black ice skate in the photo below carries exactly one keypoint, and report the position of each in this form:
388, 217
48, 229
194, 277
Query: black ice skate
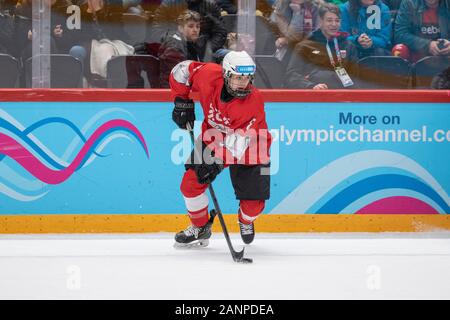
194, 236
247, 232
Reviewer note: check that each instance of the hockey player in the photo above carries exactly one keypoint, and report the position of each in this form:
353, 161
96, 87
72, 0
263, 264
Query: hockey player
234, 134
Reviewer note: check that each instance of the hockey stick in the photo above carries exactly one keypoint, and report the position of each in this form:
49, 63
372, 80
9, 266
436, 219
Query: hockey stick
237, 256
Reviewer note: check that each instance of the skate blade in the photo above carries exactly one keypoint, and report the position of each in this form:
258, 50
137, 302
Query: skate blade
195, 244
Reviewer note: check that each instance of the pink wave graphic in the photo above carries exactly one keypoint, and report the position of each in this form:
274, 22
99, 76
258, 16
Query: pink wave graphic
13, 149
398, 205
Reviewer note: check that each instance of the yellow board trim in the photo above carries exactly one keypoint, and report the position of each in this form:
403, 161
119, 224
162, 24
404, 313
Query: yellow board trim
278, 223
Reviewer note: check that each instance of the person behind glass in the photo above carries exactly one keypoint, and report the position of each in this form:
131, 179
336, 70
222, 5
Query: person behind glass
326, 59
264, 8
60, 34
179, 46
24, 33
295, 20
227, 6
60, 41
369, 24
423, 26
148, 6
7, 28
101, 36
100, 19
212, 28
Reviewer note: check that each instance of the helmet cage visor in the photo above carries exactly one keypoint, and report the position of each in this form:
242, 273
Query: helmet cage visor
243, 71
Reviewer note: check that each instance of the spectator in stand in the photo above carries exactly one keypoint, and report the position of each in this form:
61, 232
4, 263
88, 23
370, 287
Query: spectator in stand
181, 45
227, 6
101, 37
424, 27
7, 28
149, 6
326, 59
295, 20
370, 30
212, 27
101, 19
24, 34
60, 41
61, 36
263, 7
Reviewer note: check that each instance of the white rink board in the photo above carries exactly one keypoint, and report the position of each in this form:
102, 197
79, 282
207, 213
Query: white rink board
286, 266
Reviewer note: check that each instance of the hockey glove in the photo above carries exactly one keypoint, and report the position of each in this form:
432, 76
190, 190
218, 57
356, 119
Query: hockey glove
183, 113
206, 173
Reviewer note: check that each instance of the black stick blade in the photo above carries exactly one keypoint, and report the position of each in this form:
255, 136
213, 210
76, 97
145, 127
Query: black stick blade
245, 260
239, 257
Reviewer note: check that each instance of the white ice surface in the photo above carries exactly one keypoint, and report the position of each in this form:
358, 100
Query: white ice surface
286, 266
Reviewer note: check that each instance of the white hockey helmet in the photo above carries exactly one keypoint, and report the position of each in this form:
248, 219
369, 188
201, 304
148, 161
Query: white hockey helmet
238, 63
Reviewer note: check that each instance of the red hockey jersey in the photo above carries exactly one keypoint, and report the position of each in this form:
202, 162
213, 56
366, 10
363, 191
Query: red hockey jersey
236, 130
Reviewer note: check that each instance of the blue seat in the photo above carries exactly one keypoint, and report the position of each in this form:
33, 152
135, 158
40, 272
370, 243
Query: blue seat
270, 72
66, 71
126, 71
384, 72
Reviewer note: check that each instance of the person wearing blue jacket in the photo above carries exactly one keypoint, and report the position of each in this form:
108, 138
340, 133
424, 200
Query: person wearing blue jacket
368, 23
